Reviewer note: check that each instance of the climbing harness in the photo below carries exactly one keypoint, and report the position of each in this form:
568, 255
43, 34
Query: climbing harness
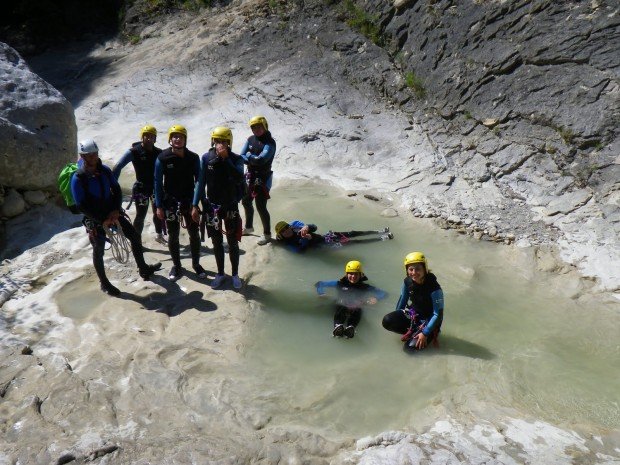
138, 196
119, 243
335, 239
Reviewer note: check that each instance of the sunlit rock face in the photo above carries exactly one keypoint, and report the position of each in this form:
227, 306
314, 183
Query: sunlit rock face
37, 126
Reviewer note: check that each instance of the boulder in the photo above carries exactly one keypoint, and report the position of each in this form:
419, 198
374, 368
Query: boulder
37, 126
14, 204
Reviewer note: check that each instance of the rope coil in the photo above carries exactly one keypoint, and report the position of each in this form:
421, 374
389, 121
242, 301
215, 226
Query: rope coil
119, 243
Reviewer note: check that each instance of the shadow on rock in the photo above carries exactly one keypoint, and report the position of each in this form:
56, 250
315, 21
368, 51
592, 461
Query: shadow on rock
452, 345
173, 302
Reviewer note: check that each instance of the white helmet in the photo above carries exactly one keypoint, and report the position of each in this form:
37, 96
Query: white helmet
87, 146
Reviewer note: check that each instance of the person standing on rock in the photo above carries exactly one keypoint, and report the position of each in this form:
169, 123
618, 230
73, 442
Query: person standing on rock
419, 310
143, 155
176, 173
221, 171
98, 196
258, 153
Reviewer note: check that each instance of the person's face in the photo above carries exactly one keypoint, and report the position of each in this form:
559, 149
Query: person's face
353, 277
177, 140
148, 140
257, 129
90, 160
417, 272
287, 232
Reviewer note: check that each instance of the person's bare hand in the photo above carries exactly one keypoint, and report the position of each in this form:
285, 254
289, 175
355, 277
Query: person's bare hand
196, 215
221, 150
421, 341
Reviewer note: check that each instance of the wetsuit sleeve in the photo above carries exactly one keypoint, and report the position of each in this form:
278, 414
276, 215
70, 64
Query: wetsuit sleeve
197, 170
115, 188
78, 193
244, 152
159, 184
322, 285
264, 157
199, 189
378, 293
404, 297
437, 298
235, 167
124, 161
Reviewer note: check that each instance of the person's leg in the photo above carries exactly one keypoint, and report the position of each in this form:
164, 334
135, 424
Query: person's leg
138, 222
397, 322
218, 248
339, 318
248, 208
136, 248
233, 252
356, 233
134, 238
174, 229
263, 213
97, 237
354, 317
159, 224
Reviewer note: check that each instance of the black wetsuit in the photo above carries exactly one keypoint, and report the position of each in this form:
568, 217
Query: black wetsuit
223, 179
175, 178
144, 167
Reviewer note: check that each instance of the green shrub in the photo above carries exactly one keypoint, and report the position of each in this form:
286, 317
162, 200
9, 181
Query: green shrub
415, 83
363, 22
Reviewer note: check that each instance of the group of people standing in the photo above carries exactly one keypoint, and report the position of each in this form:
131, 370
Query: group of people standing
202, 193
185, 191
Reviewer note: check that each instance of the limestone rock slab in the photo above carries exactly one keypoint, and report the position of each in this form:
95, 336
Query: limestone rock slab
37, 126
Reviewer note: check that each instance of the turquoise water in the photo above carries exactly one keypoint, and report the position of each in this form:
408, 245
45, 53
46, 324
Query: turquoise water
510, 337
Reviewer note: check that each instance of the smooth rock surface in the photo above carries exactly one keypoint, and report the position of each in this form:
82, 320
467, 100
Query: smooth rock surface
37, 126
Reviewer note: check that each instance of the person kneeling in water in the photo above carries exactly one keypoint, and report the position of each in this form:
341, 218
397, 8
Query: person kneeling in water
352, 293
420, 321
298, 236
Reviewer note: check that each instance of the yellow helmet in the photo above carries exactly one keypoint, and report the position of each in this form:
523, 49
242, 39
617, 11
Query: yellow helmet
259, 120
281, 226
222, 132
353, 266
416, 257
177, 129
148, 129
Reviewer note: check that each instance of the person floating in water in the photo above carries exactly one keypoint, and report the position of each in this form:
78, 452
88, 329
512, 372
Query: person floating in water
419, 311
299, 236
352, 292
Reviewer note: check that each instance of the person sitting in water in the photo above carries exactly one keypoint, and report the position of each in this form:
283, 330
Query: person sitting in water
419, 311
352, 293
298, 236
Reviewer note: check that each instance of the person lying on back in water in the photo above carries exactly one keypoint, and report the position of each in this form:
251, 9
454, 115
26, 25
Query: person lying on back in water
419, 310
298, 236
352, 293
